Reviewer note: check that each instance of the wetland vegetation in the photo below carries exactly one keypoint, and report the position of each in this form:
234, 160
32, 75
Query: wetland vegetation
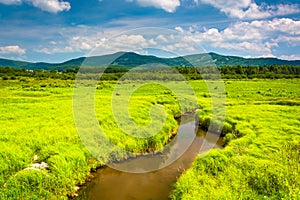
262, 135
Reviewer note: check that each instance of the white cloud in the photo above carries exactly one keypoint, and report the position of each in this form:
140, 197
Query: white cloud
80, 40
290, 57
178, 28
248, 9
53, 6
254, 38
12, 50
167, 5
73, 39
66, 49
124, 42
161, 38
259, 37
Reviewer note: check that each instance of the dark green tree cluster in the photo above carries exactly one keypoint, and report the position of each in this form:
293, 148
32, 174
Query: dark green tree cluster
8, 73
190, 73
272, 71
239, 72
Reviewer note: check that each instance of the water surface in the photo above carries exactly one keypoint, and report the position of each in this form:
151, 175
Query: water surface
112, 184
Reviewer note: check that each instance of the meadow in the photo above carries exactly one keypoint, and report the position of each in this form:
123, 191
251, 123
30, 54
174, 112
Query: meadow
37, 125
260, 160
261, 155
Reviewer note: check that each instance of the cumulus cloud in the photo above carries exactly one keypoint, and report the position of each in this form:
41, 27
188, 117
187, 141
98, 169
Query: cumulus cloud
124, 42
258, 37
161, 38
290, 57
178, 28
167, 5
66, 49
253, 38
12, 50
248, 9
79, 40
52, 6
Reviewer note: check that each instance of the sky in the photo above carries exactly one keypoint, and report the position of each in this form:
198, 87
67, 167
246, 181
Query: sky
59, 30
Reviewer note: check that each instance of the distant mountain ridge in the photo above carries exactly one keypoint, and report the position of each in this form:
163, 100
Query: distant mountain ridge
130, 60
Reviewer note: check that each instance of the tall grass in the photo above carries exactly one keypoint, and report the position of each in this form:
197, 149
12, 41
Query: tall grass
262, 160
37, 121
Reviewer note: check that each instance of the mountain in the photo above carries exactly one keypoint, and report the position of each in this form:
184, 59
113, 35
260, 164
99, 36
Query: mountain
130, 60
13, 63
220, 60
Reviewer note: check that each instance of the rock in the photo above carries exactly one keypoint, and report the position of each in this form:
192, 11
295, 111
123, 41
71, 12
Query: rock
43, 165
76, 188
35, 157
37, 166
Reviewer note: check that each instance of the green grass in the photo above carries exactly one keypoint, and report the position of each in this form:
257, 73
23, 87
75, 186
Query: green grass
261, 159
261, 156
36, 119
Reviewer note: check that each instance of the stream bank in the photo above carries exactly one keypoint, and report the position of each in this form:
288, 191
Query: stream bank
111, 183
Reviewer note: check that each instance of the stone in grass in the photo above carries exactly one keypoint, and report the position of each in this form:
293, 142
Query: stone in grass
38, 166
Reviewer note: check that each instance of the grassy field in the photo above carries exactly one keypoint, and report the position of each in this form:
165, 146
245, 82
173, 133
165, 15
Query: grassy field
261, 157
37, 126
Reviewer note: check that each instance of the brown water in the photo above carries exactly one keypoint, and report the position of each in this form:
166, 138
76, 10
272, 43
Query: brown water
111, 184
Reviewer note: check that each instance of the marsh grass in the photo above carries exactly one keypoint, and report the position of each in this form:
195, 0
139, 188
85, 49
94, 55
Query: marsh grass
260, 160
261, 157
37, 120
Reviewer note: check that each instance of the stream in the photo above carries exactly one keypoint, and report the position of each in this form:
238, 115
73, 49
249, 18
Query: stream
111, 184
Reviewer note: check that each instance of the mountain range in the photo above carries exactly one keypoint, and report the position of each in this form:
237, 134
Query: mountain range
130, 60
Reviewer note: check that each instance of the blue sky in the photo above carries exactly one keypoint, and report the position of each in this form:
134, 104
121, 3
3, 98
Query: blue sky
58, 30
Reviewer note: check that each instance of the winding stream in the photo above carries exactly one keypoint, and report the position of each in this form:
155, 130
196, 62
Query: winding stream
111, 184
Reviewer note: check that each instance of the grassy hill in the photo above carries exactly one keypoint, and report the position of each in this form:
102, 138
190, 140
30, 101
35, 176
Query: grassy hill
130, 60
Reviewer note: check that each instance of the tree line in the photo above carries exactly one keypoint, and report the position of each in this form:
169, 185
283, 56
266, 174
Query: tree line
240, 72
191, 73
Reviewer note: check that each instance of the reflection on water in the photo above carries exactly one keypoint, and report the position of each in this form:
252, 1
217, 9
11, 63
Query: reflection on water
111, 184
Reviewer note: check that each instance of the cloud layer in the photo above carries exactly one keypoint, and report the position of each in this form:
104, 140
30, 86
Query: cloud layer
254, 32
167, 5
52, 6
248, 9
12, 50
258, 36
255, 38
242, 9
